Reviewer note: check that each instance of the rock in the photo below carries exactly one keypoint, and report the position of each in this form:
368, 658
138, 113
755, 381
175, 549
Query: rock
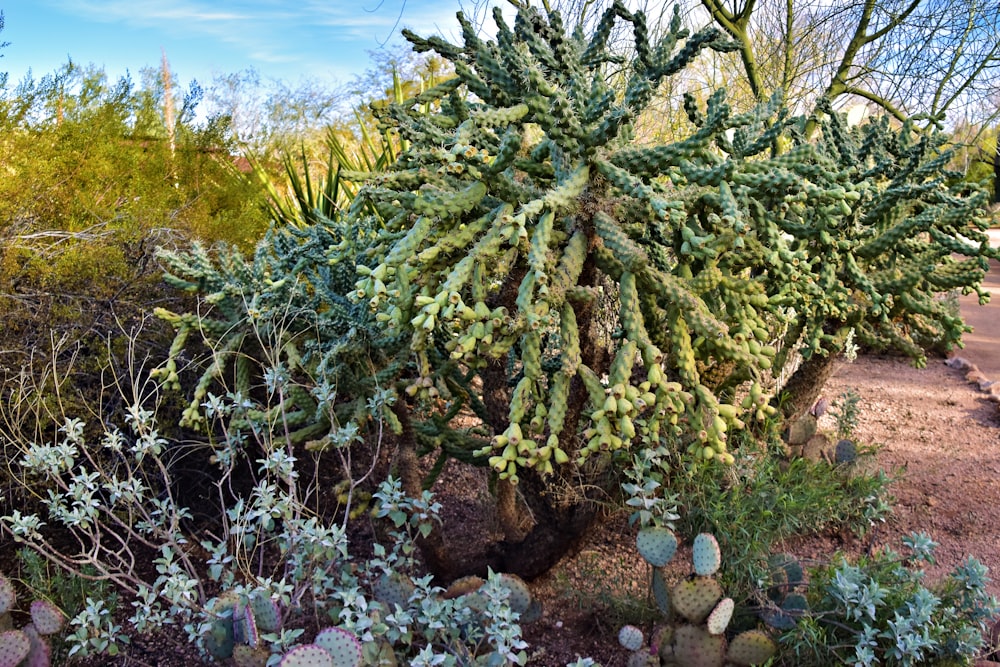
975, 376
817, 448
961, 363
800, 431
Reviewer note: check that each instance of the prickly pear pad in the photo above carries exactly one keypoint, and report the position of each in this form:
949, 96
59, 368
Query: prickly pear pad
657, 545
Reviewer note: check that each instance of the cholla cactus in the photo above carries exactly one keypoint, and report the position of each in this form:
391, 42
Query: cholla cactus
522, 214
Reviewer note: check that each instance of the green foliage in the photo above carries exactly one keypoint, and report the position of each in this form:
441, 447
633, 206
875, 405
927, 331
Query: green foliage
91, 185
62, 589
846, 411
762, 500
278, 549
520, 216
880, 611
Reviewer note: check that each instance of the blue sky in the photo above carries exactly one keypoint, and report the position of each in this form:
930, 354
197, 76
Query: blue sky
293, 41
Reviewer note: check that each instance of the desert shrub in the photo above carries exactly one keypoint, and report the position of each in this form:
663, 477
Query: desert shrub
881, 611
64, 590
762, 500
846, 410
113, 491
91, 187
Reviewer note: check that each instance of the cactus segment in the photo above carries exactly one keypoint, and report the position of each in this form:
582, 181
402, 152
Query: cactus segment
752, 647
244, 625
7, 596
47, 618
845, 452
520, 596
533, 613
265, 611
14, 647
40, 654
718, 620
793, 606
657, 545
342, 646
308, 655
705, 555
219, 641
694, 599
662, 641
661, 591
786, 574
642, 658
695, 647
392, 590
631, 637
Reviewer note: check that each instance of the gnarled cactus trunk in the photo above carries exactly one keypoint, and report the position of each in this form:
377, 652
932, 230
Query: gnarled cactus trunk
803, 389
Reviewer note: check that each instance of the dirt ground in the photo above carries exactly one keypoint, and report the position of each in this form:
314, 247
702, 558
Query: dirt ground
933, 428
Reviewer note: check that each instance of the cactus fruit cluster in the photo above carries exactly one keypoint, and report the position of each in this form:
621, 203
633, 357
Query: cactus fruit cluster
696, 612
28, 646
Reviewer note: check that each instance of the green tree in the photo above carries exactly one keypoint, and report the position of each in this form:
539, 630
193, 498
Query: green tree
269, 117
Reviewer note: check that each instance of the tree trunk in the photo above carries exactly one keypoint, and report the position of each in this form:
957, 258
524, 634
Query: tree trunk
543, 519
559, 525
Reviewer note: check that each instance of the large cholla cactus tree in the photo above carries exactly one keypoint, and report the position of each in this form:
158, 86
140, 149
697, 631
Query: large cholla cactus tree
584, 295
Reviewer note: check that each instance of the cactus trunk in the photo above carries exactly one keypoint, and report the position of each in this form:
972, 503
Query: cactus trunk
802, 390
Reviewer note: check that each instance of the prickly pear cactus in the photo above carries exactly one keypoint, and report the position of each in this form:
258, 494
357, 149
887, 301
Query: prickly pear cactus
308, 655
343, 646
238, 619
14, 647
657, 545
28, 647
705, 555
786, 601
697, 617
